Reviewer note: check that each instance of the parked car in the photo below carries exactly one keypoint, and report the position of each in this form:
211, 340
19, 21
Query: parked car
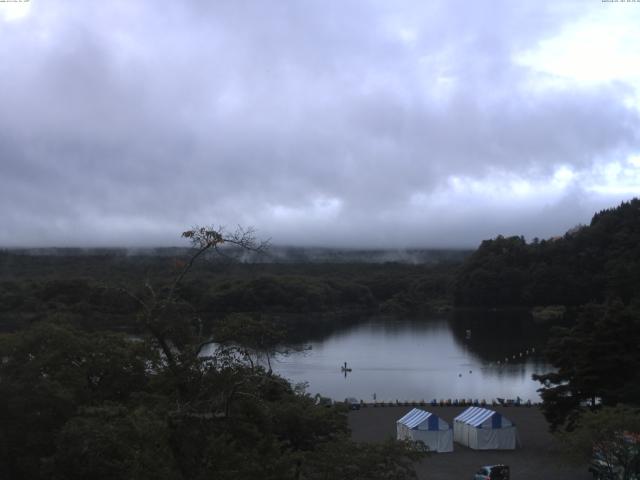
603, 465
492, 472
601, 470
353, 403
323, 401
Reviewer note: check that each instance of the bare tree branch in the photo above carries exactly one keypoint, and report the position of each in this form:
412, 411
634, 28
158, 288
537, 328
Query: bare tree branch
160, 307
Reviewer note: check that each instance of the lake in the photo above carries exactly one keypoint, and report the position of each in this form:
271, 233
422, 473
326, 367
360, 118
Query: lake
455, 357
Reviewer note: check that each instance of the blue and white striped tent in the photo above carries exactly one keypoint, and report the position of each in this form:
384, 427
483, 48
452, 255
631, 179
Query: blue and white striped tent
483, 429
426, 427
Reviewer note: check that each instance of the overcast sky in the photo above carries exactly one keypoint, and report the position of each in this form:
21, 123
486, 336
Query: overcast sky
327, 123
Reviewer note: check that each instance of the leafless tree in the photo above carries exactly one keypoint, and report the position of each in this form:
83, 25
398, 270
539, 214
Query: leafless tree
162, 312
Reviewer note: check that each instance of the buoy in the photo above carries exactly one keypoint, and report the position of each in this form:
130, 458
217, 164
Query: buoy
459, 374
470, 371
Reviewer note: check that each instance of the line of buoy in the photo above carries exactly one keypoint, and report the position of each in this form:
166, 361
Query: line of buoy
515, 356
451, 402
506, 359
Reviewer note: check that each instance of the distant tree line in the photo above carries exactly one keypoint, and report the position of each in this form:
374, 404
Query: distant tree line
84, 288
588, 264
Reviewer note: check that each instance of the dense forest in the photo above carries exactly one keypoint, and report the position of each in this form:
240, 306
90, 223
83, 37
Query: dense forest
591, 398
89, 288
588, 264
83, 403
82, 399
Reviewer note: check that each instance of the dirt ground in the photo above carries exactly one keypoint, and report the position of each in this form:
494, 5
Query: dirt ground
538, 458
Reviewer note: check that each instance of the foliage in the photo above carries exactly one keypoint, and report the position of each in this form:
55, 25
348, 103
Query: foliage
47, 373
610, 438
65, 416
587, 264
33, 288
268, 293
113, 441
597, 361
392, 460
253, 338
79, 404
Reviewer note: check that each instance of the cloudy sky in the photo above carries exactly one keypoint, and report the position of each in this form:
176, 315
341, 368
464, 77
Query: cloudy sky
336, 123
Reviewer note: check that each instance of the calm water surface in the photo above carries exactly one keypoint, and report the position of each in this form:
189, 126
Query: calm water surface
418, 359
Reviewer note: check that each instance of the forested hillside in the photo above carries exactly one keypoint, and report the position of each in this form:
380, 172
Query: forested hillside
588, 264
80, 403
594, 269
88, 289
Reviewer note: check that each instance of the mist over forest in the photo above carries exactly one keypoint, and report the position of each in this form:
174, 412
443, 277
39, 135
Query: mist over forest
244, 240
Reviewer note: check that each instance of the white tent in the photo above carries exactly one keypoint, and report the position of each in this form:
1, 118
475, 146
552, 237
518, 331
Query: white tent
483, 429
426, 427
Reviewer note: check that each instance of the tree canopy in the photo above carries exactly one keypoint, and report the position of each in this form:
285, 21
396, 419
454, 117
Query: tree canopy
588, 264
79, 404
610, 439
597, 361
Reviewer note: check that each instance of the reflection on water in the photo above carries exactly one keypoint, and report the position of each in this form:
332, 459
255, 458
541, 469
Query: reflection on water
423, 359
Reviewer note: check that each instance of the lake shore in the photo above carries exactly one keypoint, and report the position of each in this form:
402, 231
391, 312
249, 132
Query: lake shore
538, 457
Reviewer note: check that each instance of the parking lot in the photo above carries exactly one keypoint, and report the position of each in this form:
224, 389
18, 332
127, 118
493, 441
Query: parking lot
538, 458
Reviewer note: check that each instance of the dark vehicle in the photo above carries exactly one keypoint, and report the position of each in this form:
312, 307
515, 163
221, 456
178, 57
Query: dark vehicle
605, 466
353, 403
323, 401
492, 472
601, 470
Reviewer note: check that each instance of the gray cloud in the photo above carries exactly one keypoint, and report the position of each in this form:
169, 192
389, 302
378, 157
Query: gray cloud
320, 123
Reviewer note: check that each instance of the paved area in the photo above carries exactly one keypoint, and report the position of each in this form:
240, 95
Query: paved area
538, 458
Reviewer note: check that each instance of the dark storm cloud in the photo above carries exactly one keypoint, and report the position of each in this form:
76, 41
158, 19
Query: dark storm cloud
341, 123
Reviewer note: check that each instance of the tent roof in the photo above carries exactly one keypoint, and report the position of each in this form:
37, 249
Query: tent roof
474, 416
414, 418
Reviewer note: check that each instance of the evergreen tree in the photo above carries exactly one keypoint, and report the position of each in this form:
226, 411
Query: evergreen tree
597, 361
